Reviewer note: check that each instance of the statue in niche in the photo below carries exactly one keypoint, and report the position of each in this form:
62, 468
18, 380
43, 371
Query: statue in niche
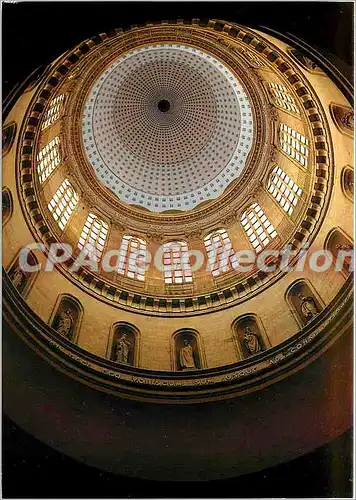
348, 260
350, 184
308, 307
343, 117
348, 120
251, 341
186, 357
7, 136
308, 63
18, 278
65, 323
5, 202
123, 347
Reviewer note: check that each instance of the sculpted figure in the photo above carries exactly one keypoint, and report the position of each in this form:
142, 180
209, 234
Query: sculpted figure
18, 278
186, 357
309, 63
65, 323
305, 60
251, 341
348, 120
308, 306
4, 203
348, 263
123, 347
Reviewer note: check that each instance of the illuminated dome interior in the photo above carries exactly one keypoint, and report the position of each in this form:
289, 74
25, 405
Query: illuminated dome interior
167, 127
181, 140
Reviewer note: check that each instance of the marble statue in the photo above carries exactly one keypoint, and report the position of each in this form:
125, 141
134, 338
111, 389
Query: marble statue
348, 263
308, 63
308, 306
4, 203
123, 347
186, 357
251, 341
65, 323
348, 120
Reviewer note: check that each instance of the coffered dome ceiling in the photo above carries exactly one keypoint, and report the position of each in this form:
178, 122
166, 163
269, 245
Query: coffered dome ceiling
167, 126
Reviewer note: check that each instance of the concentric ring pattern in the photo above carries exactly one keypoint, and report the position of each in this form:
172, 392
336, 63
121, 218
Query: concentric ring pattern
167, 127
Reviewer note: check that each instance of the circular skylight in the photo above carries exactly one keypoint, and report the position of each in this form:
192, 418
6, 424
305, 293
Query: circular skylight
167, 127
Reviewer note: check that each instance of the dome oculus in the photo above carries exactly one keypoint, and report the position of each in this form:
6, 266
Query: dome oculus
167, 127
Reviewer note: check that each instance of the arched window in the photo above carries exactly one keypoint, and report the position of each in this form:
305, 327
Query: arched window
221, 255
7, 205
176, 263
284, 189
63, 203
258, 228
53, 112
48, 159
23, 280
94, 234
131, 257
124, 344
303, 302
187, 351
294, 144
67, 317
249, 335
282, 98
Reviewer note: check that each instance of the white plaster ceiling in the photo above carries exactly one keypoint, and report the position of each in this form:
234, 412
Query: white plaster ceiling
174, 159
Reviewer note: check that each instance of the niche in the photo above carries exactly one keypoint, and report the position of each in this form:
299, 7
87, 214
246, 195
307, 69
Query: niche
347, 182
337, 242
304, 303
8, 136
7, 205
124, 344
23, 280
67, 317
343, 118
249, 336
186, 350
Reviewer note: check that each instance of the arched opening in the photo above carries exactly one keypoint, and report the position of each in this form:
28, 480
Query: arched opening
347, 182
8, 136
187, 351
176, 263
67, 317
7, 205
248, 334
342, 249
132, 250
23, 279
303, 301
124, 344
220, 252
343, 118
